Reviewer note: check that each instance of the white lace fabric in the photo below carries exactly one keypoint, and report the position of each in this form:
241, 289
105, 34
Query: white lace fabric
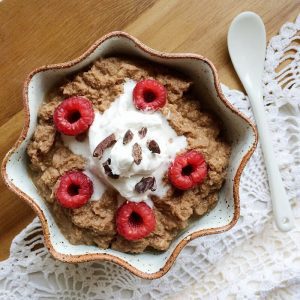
251, 261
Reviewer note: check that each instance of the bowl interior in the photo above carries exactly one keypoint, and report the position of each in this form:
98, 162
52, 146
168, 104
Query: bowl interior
238, 132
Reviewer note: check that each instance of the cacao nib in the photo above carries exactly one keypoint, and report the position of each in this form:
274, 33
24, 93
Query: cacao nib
108, 170
106, 143
145, 184
127, 137
137, 153
153, 147
142, 132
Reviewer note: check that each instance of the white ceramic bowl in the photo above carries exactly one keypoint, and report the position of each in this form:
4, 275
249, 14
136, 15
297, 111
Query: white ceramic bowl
239, 131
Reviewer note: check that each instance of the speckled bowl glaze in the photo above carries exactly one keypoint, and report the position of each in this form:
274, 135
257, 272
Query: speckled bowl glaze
240, 131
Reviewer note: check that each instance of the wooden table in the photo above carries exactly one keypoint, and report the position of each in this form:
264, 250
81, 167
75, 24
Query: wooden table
38, 32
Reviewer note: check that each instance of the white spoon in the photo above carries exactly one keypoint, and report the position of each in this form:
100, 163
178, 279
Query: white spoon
247, 46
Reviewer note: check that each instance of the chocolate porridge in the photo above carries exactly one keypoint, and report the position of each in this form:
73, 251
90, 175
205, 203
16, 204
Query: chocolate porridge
52, 155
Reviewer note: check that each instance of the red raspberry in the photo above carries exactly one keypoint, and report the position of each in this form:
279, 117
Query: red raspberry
135, 220
74, 116
74, 190
188, 170
149, 95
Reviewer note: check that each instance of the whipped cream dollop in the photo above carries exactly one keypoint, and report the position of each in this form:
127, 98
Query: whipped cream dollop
122, 116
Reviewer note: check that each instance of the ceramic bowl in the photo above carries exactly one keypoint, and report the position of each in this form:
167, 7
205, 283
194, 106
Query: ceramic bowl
240, 131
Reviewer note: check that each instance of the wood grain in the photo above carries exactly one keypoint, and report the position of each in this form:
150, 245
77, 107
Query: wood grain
38, 32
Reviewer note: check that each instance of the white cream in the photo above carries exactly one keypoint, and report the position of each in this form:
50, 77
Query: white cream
120, 117
98, 186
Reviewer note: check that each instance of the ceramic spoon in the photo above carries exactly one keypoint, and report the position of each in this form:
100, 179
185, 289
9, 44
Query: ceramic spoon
247, 46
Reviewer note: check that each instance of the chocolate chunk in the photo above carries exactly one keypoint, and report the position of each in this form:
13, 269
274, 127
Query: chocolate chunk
106, 143
145, 184
127, 137
137, 153
108, 170
153, 147
142, 132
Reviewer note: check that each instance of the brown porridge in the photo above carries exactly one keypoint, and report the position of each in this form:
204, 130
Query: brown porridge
94, 222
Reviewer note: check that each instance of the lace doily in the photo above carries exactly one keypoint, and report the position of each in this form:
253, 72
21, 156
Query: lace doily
251, 261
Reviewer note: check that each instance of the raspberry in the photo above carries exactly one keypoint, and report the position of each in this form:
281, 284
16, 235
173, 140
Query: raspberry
149, 95
188, 170
135, 220
74, 116
74, 190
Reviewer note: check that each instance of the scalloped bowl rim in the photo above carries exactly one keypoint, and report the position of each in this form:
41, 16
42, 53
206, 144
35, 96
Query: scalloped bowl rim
110, 257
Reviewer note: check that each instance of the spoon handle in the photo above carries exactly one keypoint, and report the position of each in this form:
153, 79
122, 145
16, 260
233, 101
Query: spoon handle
280, 202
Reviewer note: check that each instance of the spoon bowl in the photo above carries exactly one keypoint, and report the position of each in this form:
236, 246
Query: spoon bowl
247, 47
